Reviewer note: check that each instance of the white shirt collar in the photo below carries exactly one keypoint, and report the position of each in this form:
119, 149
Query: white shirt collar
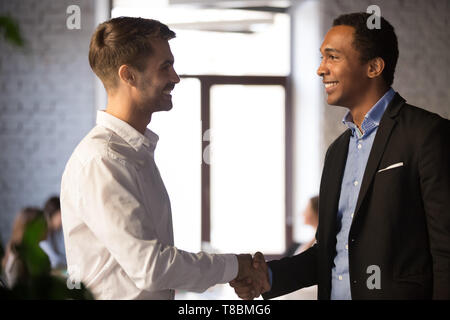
133, 137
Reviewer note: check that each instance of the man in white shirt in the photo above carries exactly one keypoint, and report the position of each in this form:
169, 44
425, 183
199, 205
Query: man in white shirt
116, 212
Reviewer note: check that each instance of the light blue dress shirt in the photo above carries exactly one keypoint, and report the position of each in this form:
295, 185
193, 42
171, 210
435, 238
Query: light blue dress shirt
359, 148
56, 255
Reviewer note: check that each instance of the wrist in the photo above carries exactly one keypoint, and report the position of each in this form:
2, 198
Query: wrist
244, 260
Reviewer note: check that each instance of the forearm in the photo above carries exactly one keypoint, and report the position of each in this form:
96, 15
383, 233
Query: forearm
170, 268
112, 209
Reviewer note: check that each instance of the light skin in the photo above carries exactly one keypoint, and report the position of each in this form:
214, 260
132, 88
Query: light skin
310, 218
348, 83
55, 222
140, 93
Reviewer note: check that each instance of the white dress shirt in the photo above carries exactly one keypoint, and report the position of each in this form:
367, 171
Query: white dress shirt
117, 221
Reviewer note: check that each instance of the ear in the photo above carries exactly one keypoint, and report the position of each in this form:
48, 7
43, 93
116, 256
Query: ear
375, 67
127, 75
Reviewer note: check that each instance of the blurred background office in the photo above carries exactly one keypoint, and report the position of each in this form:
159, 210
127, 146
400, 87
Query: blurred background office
242, 150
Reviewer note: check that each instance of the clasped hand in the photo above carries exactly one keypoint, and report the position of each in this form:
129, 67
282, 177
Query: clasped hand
253, 276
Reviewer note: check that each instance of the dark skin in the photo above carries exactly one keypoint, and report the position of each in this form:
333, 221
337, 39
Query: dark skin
348, 83
358, 86
248, 288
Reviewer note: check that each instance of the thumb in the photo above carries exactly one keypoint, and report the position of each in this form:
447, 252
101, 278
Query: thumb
258, 259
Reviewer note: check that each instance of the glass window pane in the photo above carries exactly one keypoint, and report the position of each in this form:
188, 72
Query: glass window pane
218, 40
226, 53
178, 156
247, 168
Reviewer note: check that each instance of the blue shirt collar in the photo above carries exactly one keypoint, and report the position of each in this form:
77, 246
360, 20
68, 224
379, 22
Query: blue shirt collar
372, 118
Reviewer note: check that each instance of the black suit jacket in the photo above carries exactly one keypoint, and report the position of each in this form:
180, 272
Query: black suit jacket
402, 218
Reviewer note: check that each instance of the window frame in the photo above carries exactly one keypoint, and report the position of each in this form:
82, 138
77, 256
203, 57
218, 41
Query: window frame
206, 82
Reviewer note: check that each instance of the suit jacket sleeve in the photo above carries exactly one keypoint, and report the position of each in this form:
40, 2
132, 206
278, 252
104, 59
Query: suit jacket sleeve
434, 163
293, 273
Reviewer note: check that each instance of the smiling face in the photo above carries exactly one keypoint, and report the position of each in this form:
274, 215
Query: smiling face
155, 83
344, 76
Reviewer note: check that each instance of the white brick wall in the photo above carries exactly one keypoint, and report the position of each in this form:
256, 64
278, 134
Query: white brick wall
46, 101
422, 72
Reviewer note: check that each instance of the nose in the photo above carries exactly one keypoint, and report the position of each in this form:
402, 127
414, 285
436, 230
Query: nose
174, 77
322, 70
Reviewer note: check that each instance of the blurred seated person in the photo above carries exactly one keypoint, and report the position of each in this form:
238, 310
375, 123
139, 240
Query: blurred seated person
311, 218
14, 269
53, 245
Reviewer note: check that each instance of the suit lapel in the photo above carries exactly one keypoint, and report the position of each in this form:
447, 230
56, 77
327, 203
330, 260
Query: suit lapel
387, 123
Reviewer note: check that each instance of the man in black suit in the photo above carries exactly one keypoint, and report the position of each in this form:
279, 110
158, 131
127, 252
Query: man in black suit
384, 210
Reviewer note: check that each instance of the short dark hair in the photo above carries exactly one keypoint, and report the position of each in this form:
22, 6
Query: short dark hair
51, 207
123, 40
372, 43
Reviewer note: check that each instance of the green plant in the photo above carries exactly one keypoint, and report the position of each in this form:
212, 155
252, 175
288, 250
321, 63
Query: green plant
38, 282
11, 30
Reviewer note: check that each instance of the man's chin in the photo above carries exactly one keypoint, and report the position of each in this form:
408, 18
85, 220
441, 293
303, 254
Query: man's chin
165, 107
168, 107
166, 104
333, 100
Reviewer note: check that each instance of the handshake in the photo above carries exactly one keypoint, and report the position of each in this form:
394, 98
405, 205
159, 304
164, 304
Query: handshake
253, 276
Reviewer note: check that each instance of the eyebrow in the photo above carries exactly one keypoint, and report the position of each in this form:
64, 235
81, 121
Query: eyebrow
331, 50
168, 61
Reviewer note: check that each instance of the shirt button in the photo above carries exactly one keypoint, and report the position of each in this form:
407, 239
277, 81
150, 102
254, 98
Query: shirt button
340, 277
355, 183
352, 215
346, 246
359, 146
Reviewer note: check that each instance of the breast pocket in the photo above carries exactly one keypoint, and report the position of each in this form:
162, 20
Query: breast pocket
390, 174
389, 185
393, 166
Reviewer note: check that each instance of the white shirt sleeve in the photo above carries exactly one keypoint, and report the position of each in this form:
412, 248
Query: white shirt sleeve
110, 205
